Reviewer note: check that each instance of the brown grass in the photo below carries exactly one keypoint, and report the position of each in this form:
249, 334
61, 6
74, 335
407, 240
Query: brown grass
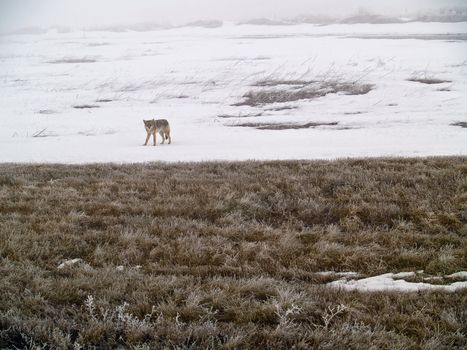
277, 82
228, 116
429, 81
282, 108
301, 90
74, 60
461, 124
85, 106
284, 126
225, 255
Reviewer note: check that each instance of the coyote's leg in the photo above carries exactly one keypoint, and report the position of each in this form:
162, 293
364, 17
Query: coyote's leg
147, 138
168, 135
162, 135
154, 135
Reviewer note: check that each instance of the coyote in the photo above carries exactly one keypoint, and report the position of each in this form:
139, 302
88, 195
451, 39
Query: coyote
160, 126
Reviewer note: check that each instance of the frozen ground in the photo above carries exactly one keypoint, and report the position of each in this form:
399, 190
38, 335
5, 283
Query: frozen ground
192, 76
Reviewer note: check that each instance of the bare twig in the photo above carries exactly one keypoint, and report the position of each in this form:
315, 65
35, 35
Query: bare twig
40, 133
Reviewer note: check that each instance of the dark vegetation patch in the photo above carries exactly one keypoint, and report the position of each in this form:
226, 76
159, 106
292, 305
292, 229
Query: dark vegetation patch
301, 90
346, 128
44, 133
272, 82
461, 124
227, 116
74, 60
97, 44
260, 58
47, 111
284, 126
354, 113
282, 108
429, 81
103, 100
225, 255
445, 37
85, 106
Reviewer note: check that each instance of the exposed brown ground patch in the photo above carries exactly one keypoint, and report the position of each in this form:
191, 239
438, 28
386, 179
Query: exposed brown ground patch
228, 116
272, 92
429, 81
85, 106
228, 253
284, 126
461, 124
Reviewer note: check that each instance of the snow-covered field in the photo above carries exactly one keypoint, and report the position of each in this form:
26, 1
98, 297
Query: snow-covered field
194, 77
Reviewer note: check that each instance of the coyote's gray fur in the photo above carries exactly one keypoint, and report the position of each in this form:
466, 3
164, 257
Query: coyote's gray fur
160, 126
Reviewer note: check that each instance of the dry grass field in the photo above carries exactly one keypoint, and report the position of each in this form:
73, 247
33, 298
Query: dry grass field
227, 255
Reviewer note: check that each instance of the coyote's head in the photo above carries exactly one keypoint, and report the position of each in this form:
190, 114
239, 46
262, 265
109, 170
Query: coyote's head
148, 124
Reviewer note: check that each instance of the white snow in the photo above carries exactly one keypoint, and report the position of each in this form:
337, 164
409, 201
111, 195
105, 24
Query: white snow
190, 76
69, 263
460, 275
388, 282
405, 274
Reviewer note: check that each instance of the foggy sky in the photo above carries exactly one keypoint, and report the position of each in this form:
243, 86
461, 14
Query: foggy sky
22, 13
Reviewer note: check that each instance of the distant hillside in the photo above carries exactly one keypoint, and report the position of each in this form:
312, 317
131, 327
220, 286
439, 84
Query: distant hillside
444, 15
450, 15
314, 19
318, 19
372, 19
205, 24
447, 15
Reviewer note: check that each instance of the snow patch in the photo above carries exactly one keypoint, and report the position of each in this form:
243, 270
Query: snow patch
72, 262
460, 275
406, 274
388, 282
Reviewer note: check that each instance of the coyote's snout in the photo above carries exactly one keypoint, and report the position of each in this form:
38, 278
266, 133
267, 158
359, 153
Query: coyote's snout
160, 126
